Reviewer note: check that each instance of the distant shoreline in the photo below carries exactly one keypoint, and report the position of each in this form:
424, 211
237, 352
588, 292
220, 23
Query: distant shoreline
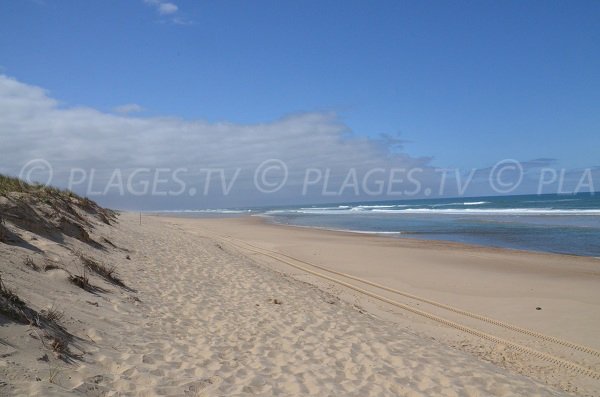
269, 220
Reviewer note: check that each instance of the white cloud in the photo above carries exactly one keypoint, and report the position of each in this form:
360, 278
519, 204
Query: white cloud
163, 7
33, 125
167, 8
128, 108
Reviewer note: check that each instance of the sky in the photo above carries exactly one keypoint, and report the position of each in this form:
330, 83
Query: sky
337, 85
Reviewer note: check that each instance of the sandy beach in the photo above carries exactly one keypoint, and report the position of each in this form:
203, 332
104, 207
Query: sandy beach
221, 307
290, 199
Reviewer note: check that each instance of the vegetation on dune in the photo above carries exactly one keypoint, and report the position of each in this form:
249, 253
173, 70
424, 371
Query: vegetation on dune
60, 201
10, 184
107, 272
55, 214
53, 335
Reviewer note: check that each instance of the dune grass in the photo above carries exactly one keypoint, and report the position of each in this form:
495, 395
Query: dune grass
53, 196
9, 184
11, 305
107, 272
9, 295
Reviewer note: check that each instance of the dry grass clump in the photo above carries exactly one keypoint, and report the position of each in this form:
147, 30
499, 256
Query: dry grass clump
55, 338
8, 294
107, 272
59, 345
53, 372
12, 306
81, 280
28, 261
53, 314
47, 321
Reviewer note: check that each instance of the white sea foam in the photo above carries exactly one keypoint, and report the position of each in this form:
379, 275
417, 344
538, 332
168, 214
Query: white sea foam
461, 203
496, 211
445, 211
383, 206
387, 233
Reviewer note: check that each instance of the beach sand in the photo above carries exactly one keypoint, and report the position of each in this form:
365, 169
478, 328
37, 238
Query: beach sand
205, 314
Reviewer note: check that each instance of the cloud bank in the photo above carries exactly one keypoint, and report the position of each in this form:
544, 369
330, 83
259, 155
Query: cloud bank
314, 147
34, 125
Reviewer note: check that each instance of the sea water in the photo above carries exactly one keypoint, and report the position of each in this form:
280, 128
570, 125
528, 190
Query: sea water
567, 224
549, 223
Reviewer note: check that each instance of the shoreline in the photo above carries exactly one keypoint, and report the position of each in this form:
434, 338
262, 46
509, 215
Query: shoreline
415, 265
387, 235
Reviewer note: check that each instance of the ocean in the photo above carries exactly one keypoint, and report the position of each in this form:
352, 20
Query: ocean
567, 224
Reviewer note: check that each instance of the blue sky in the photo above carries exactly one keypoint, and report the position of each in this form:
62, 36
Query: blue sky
465, 83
